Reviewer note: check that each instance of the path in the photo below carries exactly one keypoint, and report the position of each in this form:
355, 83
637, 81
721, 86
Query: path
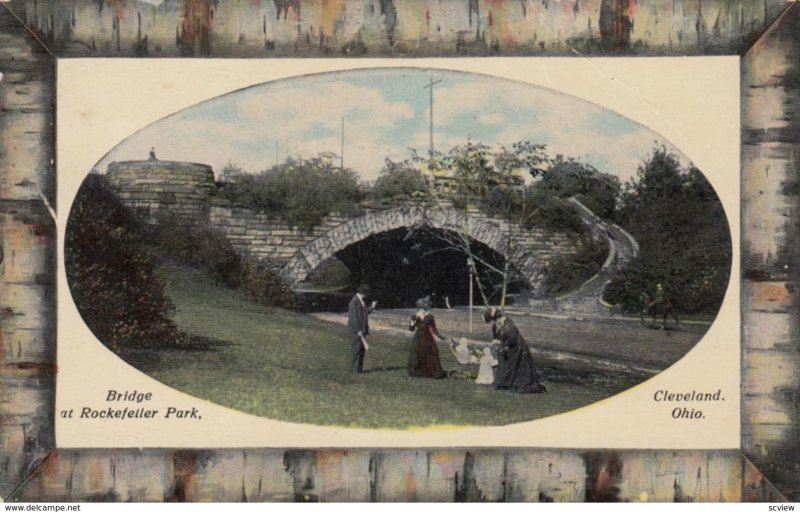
587, 299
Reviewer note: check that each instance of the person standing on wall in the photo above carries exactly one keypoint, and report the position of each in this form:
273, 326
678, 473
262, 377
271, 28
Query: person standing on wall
358, 326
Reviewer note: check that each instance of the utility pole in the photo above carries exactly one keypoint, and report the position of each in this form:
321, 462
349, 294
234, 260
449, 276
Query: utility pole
430, 86
341, 152
471, 277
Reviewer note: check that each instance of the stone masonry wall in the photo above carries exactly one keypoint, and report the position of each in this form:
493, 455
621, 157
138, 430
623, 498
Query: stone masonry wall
155, 187
297, 252
262, 236
184, 191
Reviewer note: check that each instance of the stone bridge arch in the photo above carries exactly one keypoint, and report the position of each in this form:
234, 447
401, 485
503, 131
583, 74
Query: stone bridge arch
529, 250
153, 187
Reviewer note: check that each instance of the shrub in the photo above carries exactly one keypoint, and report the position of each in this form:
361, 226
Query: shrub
533, 208
572, 271
111, 274
400, 181
262, 284
210, 251
505, 202
197, 246
555, 215
301, 192
637, 277
331, 273
569, 177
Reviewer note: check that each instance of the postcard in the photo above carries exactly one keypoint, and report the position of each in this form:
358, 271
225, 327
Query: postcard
496, 252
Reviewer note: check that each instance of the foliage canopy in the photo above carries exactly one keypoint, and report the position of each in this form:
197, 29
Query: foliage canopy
683, 234
300, 191
111, 273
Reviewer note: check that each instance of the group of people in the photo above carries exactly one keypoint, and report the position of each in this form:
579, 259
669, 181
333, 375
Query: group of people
506, 363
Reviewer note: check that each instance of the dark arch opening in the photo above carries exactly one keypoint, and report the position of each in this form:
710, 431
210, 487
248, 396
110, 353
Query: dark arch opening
403, 265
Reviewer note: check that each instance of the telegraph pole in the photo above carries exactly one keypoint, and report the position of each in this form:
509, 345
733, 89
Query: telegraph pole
430, 86
471, 269
341, 152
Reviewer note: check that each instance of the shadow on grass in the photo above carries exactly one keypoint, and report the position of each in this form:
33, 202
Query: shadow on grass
202, 344
385, 369
143, 358
189, 343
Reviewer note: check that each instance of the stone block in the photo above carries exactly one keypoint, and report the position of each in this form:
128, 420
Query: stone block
283, 232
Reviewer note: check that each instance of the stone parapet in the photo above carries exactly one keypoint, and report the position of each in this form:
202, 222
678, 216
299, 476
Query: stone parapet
156, 188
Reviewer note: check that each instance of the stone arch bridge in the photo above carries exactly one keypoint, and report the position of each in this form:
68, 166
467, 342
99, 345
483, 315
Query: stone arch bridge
296, 253
529, 251
185, 190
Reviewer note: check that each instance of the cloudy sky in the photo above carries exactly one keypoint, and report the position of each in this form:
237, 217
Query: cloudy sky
386, 114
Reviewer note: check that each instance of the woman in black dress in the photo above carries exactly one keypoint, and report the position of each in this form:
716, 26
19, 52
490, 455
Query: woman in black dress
515, 370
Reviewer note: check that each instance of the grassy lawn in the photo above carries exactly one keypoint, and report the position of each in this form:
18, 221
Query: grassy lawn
291, 367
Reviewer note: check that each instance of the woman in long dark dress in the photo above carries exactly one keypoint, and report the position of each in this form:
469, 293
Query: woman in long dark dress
515, 370
423, 361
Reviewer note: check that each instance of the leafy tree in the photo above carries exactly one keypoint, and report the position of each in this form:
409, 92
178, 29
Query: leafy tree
400, 180
300, 191
230, 173
478, 168
683, 234
110, 273
492, 181
553, 214
568, 177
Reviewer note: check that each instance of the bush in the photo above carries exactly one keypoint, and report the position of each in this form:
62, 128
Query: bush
533, 208
111, 274
569, 177
555, 215
505, 202
400, 181
197, 246
626, 286
262, 284
570, 272
302, 192
211, 252
330, 274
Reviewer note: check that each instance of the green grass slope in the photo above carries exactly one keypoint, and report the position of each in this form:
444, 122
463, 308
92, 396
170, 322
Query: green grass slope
292, 367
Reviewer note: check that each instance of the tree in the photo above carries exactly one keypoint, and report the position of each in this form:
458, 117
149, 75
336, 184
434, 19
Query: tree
300, 191
400, 180
567, 177
230, 173
110, 273
492, 181
683, 234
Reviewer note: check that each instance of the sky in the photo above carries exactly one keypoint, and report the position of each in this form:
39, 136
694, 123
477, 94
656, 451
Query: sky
386, 114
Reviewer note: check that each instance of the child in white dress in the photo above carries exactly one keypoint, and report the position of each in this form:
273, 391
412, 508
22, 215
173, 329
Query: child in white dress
486, 371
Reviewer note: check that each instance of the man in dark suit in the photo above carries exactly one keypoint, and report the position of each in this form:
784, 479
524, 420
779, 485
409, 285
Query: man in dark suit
358, 326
